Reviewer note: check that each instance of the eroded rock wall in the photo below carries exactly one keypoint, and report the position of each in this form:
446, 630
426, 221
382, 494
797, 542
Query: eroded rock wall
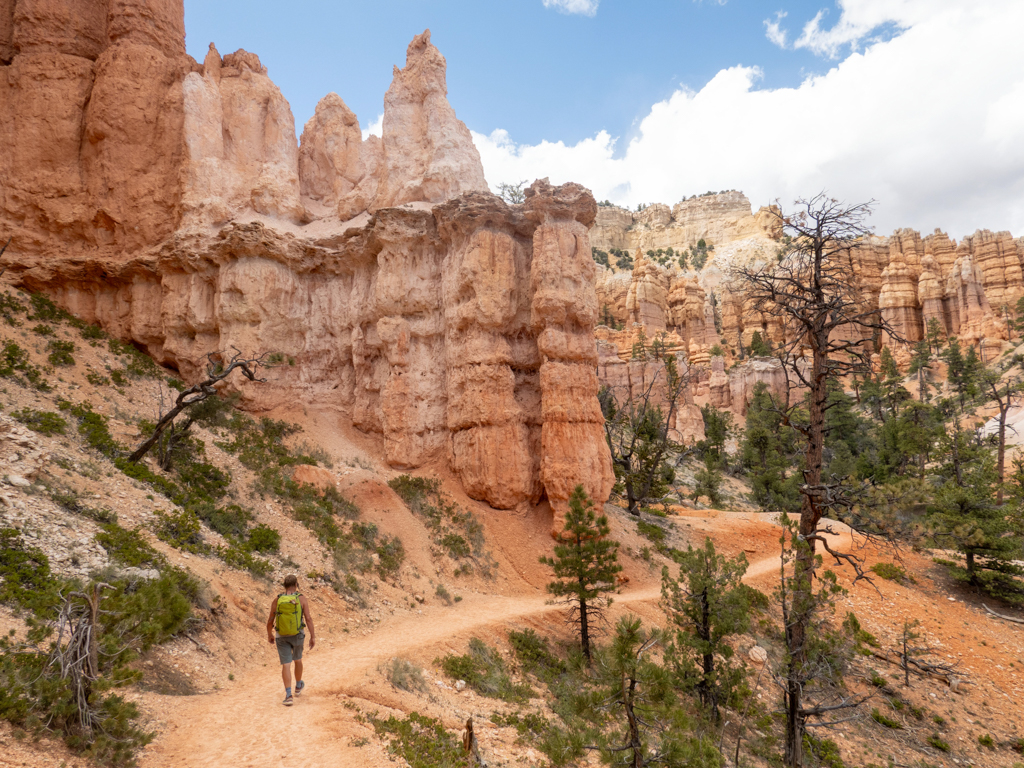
169, 202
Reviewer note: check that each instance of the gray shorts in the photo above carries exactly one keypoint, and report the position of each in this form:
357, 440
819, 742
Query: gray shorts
289, 648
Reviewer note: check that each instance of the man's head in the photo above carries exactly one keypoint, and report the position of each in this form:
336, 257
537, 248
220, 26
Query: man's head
291, 581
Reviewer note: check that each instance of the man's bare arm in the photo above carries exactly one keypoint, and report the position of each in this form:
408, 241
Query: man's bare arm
309, 620
270, 620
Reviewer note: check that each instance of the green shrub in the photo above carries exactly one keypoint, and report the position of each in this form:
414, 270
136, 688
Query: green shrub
9, 307
936, 741
534, 656
92, 427
888, 722
44, 309
97, 379
484, 671
26, 579
892, 572
182, 530
441, 591
242, 558
231, 522
118, 378
43, 330
390, 554
456, 546
263, 538
877, 680
655, 533
138, 365
128, 547
43, 422
405, 675
825, 750
420, 741
987, 741
92, 332
15, 360
456, 534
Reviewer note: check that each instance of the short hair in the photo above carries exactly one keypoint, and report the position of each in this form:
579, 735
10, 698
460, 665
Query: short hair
291, 580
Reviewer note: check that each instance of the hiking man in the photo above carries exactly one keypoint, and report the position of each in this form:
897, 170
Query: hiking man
289, 615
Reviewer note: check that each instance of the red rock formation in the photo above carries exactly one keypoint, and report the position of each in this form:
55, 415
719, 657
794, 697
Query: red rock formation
647, 298
168, 202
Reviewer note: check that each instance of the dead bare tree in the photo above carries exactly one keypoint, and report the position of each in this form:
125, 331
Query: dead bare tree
1005, 392
826, 328
197, 393
76, 659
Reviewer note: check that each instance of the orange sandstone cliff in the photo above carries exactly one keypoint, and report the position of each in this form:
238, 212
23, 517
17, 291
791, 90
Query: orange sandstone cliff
170, 202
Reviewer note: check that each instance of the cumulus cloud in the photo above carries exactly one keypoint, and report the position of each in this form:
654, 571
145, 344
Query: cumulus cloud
376, 128
930, 123
582, 7
773, 29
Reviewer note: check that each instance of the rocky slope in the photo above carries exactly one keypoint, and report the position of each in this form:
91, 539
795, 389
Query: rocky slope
168, 201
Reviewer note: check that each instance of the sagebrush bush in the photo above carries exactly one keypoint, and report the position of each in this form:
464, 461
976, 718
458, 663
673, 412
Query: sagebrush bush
405, 675
484, 671
43, 422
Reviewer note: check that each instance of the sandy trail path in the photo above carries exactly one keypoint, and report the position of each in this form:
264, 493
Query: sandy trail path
247, 727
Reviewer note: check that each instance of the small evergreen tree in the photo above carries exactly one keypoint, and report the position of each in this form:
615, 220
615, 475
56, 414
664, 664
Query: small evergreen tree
961, 371
707, 482
964, 514
934, 335
639, 721
706, 606
768, 452
585, 566
759, 347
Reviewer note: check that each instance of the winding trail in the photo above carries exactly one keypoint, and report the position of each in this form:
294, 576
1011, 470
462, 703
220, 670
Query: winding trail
246, 726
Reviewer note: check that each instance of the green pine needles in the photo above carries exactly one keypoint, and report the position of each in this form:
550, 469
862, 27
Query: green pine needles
585, 566
706, 605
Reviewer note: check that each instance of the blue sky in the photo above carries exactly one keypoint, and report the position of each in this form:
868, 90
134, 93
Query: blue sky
918, 104
531, 70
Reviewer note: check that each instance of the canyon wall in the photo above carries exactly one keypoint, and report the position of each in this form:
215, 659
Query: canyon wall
169, 202
969, 289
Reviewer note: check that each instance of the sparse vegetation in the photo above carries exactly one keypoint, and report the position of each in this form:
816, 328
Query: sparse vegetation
405, 675
43, 422
456, 534
484, 670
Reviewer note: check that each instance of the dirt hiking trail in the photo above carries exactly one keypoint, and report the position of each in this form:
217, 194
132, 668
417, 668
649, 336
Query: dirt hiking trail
246, 726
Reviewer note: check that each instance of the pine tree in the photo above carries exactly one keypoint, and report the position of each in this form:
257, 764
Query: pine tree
759, 347
706, 605
640, 722
964, 514
962, 371
585, 566
767, 453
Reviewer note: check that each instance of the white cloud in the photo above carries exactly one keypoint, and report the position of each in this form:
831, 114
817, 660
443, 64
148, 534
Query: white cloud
930, 123
376, 128
582, 7
773, 31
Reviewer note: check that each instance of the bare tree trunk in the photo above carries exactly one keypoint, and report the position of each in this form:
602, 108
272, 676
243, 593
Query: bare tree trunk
633, 727
584, 630
197, 394
1001, 454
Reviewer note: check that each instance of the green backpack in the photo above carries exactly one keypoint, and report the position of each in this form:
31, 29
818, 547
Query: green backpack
289, 615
